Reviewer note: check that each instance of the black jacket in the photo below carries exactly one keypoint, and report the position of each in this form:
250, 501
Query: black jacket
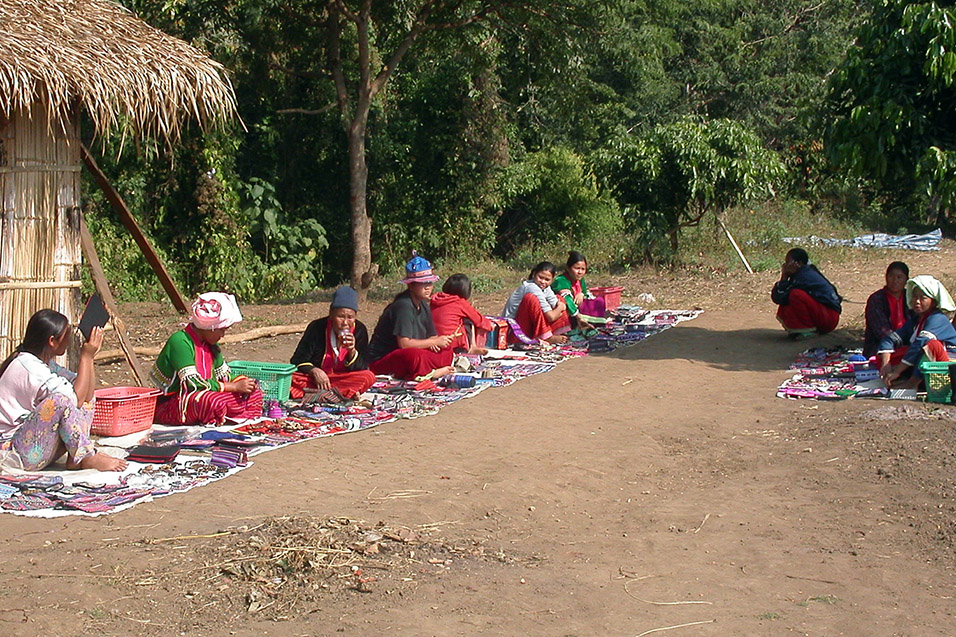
311, 348
808, 279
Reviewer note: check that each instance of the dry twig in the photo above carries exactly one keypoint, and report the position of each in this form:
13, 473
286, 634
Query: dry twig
662, 629
399, 495
812, 579
187, 537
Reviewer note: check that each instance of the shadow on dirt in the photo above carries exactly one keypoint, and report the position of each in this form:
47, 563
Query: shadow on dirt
757, 349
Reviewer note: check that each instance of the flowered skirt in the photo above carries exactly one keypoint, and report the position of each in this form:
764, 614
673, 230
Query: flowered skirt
55, 426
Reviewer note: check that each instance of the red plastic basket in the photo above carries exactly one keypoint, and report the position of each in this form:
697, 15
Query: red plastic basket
611, 296
123, 410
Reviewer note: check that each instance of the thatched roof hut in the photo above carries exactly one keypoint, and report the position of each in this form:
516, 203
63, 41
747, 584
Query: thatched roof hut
58, 59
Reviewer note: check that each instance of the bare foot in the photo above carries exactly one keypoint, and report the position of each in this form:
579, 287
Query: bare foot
442, 371
557, 339
101, 462
480, 351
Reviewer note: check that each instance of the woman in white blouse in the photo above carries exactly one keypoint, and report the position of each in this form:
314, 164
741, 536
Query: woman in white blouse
45, 409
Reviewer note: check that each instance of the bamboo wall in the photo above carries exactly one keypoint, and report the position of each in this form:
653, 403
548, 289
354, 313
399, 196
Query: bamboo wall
40, 255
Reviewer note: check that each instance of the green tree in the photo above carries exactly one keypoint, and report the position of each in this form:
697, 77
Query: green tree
891, 119
362, 44
640, 64
554, 194
675, 174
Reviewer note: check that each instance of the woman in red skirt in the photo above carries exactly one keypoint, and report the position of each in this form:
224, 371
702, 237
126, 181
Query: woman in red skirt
538, 311
405, 343
331, 353
198, 386
809, 303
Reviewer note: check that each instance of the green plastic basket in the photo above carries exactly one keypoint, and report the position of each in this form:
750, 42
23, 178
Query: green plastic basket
938, 386
275, 379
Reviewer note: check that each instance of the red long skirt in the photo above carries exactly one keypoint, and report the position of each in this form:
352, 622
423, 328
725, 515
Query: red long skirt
533, 322
803, 312
412, 362
349, 384
208, 408
933, 351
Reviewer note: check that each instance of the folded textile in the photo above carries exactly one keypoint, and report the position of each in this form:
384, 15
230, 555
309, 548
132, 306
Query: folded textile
146, 454
224, 455
221, 435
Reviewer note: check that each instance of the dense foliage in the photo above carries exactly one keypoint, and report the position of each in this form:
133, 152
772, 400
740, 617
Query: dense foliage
892, 102
493, 134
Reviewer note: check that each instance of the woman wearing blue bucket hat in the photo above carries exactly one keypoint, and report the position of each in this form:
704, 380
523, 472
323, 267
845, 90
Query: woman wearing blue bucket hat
405, 343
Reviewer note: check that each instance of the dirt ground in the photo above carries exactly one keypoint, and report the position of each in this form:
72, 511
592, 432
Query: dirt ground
659, 486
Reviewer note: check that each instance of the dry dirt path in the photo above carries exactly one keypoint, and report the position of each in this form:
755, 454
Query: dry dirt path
619, 485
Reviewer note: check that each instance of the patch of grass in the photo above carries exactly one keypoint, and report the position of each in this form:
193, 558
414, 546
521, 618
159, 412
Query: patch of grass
98, 613
830, 600
825, 599
770, 616
705, 250
759, 231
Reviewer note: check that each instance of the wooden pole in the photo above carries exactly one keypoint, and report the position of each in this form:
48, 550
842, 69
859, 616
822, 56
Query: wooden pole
126, 217
250, 335
39, 285
103, 288
734, 243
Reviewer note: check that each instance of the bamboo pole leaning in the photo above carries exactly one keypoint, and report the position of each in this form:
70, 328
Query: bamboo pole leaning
103, 289
106, 356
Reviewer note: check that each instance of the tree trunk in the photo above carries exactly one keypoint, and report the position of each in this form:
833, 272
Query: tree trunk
362, 271
672, 234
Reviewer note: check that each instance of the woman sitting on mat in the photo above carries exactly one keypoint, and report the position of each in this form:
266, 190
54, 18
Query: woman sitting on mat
886, 309
405, 343
331, 353
453, 314
583, 307
198, 386
809, 304
45, 409
536, 309
927, 336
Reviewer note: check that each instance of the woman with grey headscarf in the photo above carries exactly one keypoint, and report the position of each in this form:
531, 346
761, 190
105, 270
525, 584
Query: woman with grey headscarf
929, 335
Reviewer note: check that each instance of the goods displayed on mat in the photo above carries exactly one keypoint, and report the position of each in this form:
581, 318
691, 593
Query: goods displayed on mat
171, 459
631, 324
837, 373
55, 495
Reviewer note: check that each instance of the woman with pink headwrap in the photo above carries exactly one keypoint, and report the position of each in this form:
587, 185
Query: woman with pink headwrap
198, 387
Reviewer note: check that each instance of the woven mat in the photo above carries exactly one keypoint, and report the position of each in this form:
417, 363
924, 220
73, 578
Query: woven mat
99, 493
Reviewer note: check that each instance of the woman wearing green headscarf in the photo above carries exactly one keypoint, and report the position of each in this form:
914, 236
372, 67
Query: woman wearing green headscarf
929, 334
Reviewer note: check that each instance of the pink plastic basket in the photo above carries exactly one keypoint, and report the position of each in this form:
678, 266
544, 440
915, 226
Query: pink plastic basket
611, 296
123, 410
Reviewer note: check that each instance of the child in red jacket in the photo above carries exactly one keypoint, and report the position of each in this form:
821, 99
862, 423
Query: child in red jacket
451, 310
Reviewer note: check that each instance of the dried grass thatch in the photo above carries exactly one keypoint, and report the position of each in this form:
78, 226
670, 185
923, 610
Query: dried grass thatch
125, 74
